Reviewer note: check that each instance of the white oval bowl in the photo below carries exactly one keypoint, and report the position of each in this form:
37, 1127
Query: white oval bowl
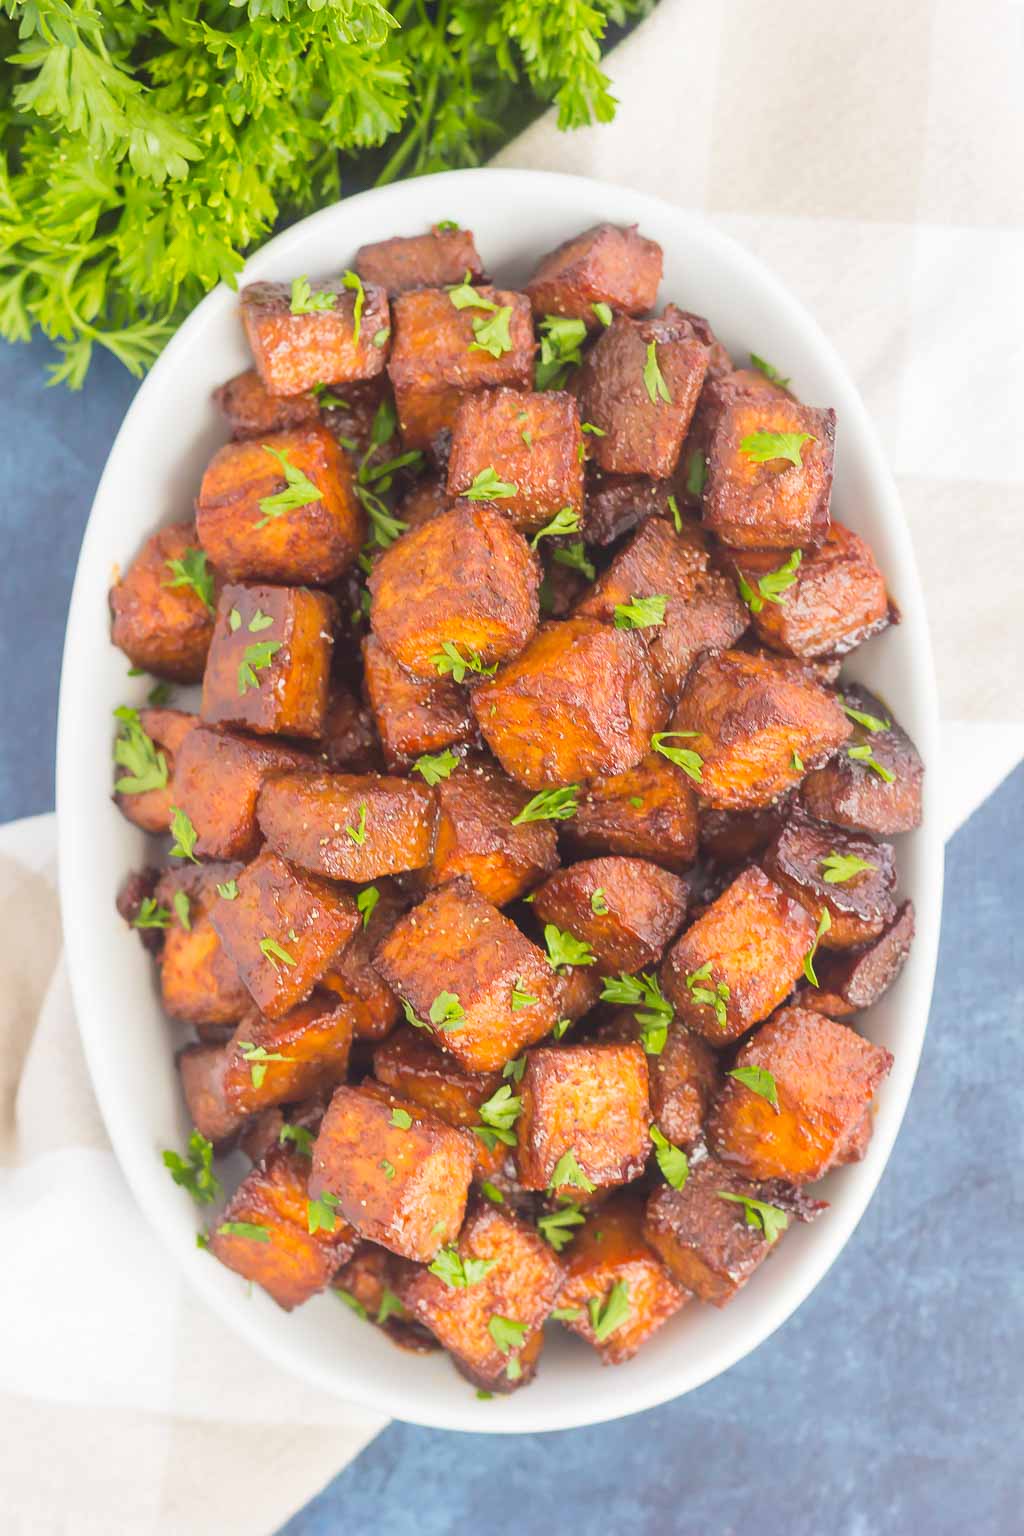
150, 478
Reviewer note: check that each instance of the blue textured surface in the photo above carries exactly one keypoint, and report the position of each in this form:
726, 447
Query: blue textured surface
890, 1403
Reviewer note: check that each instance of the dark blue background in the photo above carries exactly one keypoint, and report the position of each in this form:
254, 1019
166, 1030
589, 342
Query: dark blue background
891, 1402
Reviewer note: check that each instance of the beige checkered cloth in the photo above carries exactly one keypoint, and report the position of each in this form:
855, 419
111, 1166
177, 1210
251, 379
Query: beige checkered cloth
869, 153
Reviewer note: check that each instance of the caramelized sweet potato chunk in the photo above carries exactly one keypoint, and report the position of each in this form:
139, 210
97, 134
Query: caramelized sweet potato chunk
294, 352
150, 809
627, 910
278, 1061
836, 601
368, 1282
852, 878
427, 498
199, 981
251, 411
604, 265
467, 579
757, 725
746, 950
825, 1077
521, 1284
273, 677
578, 703
702, 610
201, 1068
403, 1186
348, 826
855, 979
250, 536
531, 441
350, 742
413, 716
278, 1252
457, 945
436, 359
582, 986
374, 1008
751, 503
435, 260
649, 811
684, 1077
736, 837
218, 776
161, 627
414, 1069
609, 1250
476, 837
852, 792
587, 1100
704, 1240
613, 504
639, 384
282, 931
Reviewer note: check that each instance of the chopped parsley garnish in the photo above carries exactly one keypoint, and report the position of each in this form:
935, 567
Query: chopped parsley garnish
771, 587
641, 612
797, 762
436, 768
869, 722
192, 571
575, 557
493, 334
184, 834
411, 1015
151, 914
506, 1332
459, 1273
446, 226
272, 951
565, 950
366, 903
759, 1080
134, 750
300, 1138
521, 999
608, 1315
865, 755
182, 908
824, 924
768, 371
654, 1012
565, 521
696, 473
358, 833
588, 426
250, 1229
764, 447
354, 281
449, 659
556, 1227
767, 1219
672, 1160
256, 658
446, 1012
320, 1212
387, 1168
390, 1306
514, 1068
195, 1172
561, 1028
234, 619
492, 1192
603, 312
257, 1056
598, 904
299, 490
689, 761
228, 891
654, 382
487, 486
380, 337
352, 1302
677, 516
568, 1172
549, 805
259, 620
560, 343
715, 995
306, 302
464, 296
837, 868
566, 1314
400, 1118
498, 1116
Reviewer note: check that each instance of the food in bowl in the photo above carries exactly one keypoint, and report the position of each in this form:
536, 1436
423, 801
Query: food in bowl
529, 853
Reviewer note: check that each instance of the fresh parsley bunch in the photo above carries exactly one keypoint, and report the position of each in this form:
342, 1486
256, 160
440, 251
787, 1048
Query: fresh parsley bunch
147, 147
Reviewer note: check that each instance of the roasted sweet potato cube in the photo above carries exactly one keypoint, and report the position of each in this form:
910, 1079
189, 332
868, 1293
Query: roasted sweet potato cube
403, 1186
874, 785
649, 811
751, 502
531, 441
426, 499
278, 1061
757, 725
825, 1078
295, 351
582, 987
436, 357
854, 979
739, 960
159, 622
580, 702
414, 716
350, 742
476, 837
520, 1286
702, 610
426, 418
736, 837
201, 1068
466, 580
684, 1077
367, 1283
264, 1235
282, 931
280, 509
836, 600
199, 982
218, 776
704, 1240
348, 826
852, 878
613, 504
413, 1068
444, 256
151, 809
604, 265
251, 411
587, 1100
271, 678
627, 910
609, 1251
138, 886
455, 948
639, 384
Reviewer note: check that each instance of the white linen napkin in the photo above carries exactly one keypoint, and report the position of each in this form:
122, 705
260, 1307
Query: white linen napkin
851, 148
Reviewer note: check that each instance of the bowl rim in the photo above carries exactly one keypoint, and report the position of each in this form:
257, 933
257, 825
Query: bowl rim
625, 206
